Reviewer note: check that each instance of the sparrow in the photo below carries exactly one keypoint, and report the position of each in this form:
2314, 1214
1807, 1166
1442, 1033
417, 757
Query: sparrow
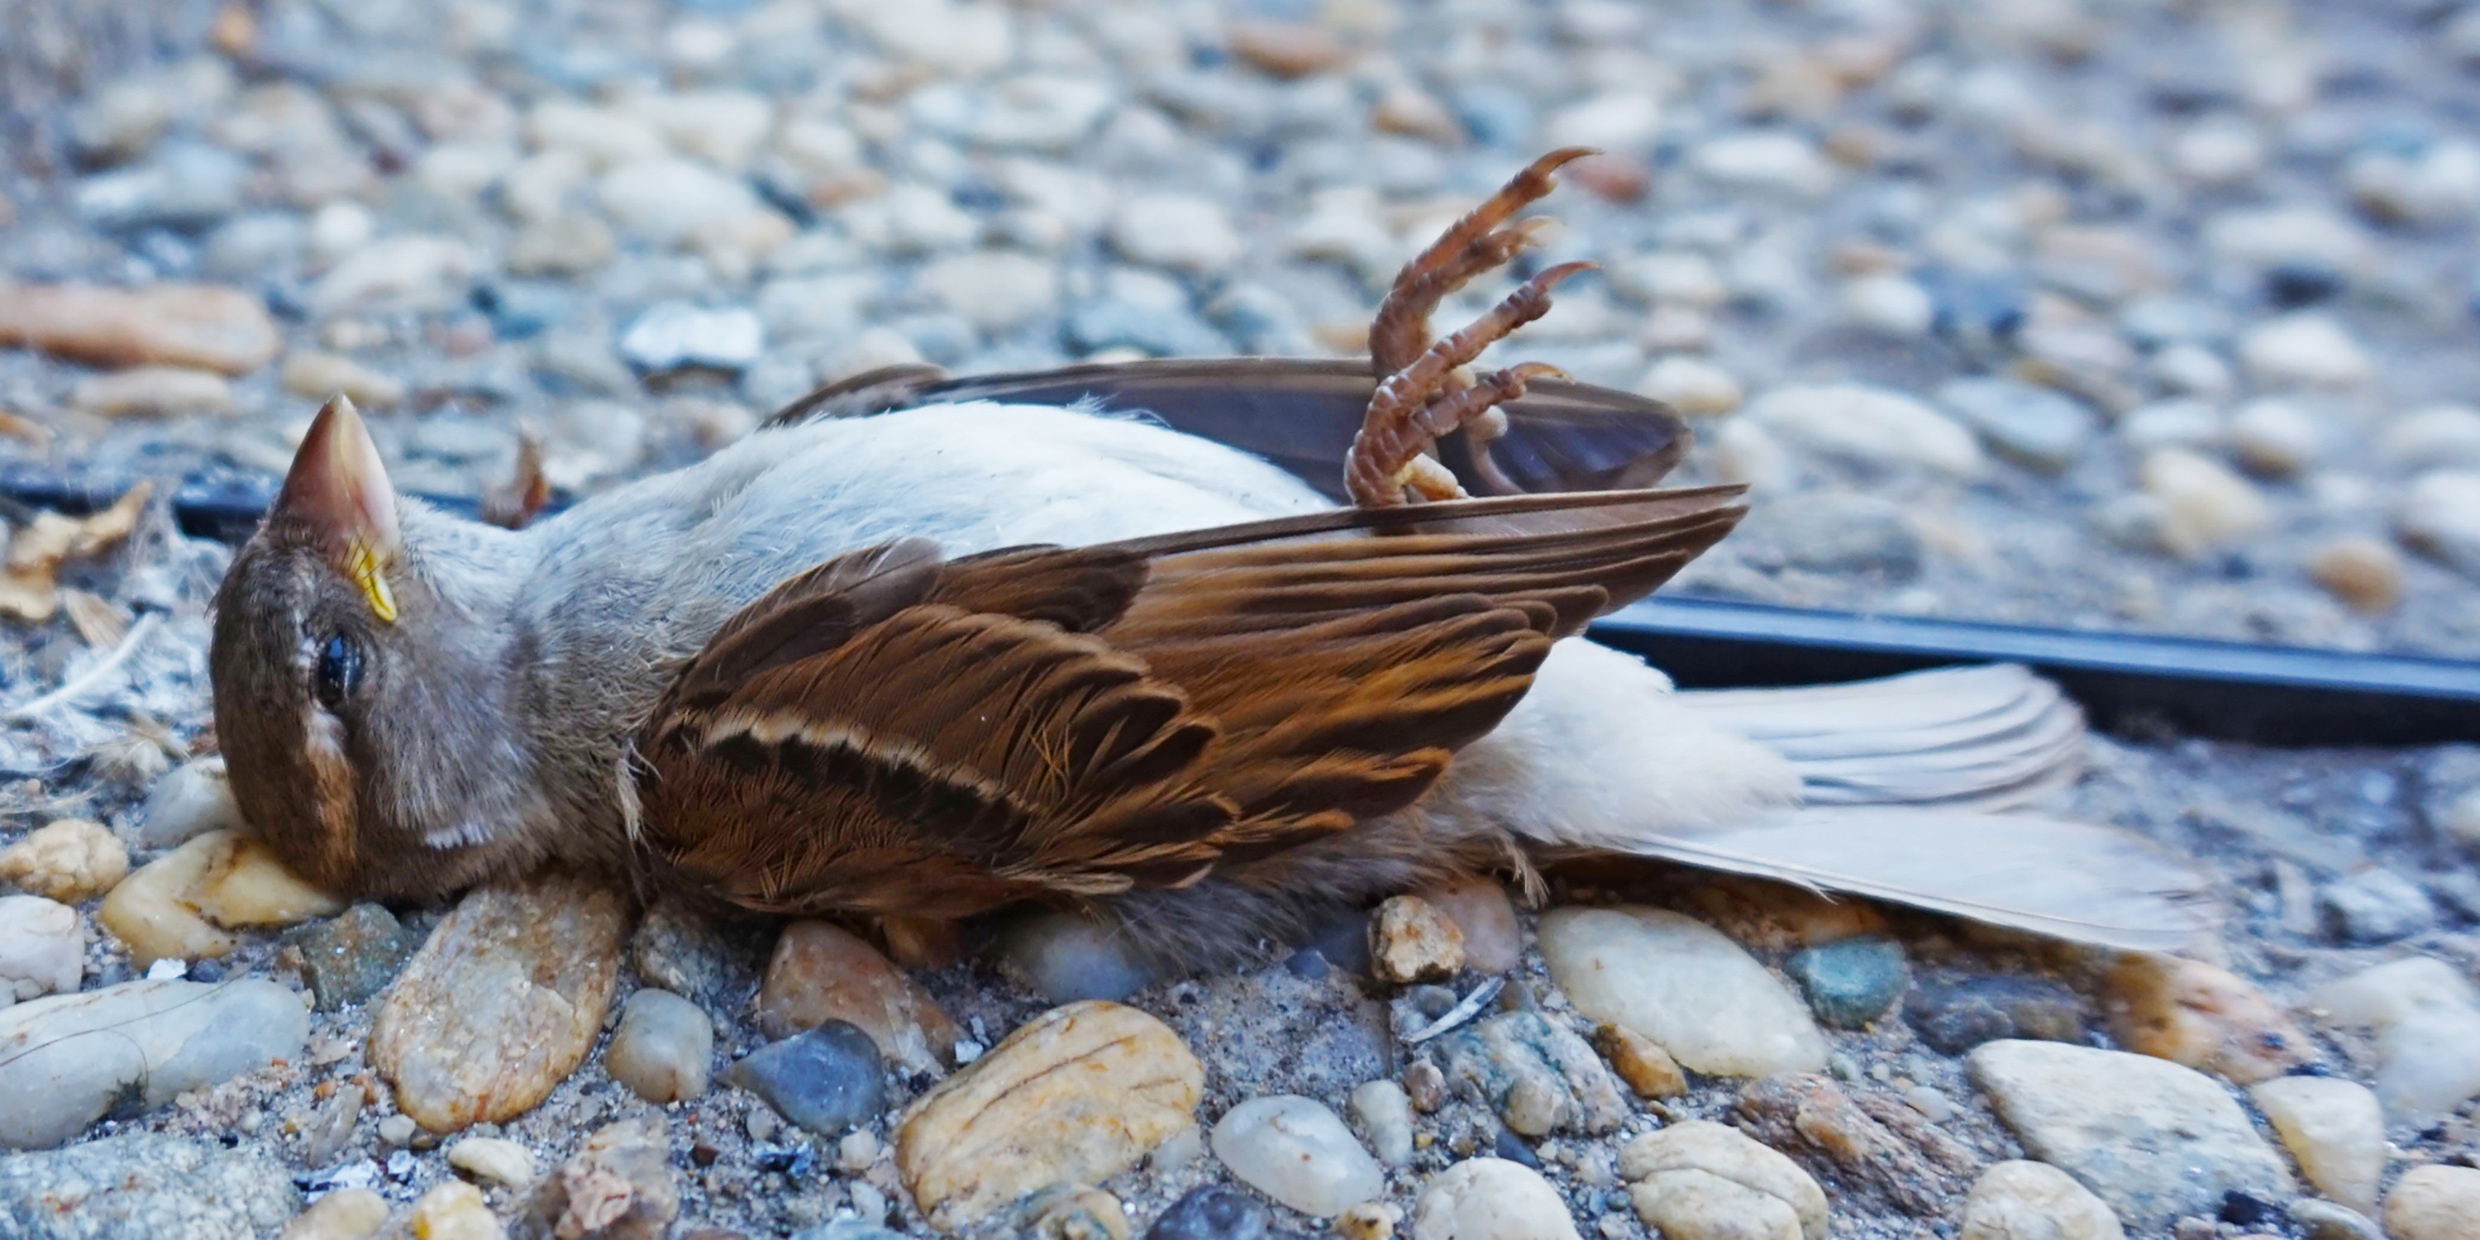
943, 658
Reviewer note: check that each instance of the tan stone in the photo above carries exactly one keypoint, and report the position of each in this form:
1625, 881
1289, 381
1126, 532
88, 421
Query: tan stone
1780, 917
149, 912
1076, 1094
153, 391
1480, 909
1705, 1181
319, 376
346, 1214
244, 884
1411, 941
2192, 1013
502, 1002
204, 325
1370, 1220
822, 972
2434, 1203
618, 1187
2363, 572
1641, 1062
496, 1159
2021, 1200
69, 860
454, 1211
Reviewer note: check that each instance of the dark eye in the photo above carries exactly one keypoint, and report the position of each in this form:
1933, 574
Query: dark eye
340, 670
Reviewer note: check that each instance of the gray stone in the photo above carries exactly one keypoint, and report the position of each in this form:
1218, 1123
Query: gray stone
1851, 982
1537, 1074
682, 950
2157, 1141
1954, 1018
183, 183
1065, 958
144, 1184
1296, 1151
2375, 906
1837, 532
661, 1049
826, 1079
1211, 1213
67, 1060
190, 800
352, 956
2034, 427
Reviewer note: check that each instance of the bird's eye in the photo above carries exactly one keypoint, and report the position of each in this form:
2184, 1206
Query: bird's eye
340, 670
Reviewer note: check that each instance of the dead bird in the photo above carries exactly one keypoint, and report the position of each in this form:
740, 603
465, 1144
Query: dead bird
915, 666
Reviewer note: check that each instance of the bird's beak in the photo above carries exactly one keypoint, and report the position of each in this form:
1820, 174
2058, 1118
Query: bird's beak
338, 490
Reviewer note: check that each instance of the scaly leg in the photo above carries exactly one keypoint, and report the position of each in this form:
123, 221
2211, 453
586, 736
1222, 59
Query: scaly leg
1425, 391
1416, 404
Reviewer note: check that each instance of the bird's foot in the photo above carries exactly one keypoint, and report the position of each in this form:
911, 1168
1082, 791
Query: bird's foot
1426, 390
1435, 395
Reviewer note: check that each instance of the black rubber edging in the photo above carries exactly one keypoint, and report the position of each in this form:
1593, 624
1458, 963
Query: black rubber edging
2126, 682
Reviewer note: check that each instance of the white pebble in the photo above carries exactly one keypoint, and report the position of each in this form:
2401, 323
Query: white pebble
494, 1159
193, 799
1770, 161
1672, 277
1889, 304
2275, 438
2304, 350
2440, 517
2190, 369
2170, 424
1182, 232
1491, 1199
2207, 503
42, 948
1682, 984
2437, 185
2432, 437
1296, 1151
1383, 1113
2335, 1130
663, 1049
2023, 1200
1868, 423
1691, 386
2426, 1019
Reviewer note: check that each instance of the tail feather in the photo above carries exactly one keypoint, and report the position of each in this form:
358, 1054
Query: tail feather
2072, 880
1987, 738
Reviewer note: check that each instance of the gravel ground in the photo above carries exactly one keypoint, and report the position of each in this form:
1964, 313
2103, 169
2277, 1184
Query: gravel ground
2105, 314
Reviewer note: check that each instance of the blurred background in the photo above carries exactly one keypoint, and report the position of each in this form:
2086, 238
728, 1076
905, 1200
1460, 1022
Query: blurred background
2103, 313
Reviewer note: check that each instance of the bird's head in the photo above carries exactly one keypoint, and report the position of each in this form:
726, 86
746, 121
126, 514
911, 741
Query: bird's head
358, 680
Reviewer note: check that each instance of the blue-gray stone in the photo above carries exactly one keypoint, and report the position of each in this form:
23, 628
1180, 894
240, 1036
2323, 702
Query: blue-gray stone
1066, 958
828, 1079
1851, 982
1954, 1018
1211, 1213
2034, 427
1163, 332
352, 956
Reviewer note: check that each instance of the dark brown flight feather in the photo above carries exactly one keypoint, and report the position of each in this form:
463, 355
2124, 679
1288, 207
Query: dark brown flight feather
896, 733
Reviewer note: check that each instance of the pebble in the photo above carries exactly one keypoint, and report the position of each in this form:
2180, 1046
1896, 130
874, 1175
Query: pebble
2035, 427
1482, 913
1851, 983
1296, 1151
1182, 232
674, 334
496, 1159
617, 1187
667, 201
1644, 1065
2203, 1016
1692, 386
2155, 1140
454, 1210
420, 273
821, 972
2439, 516
1065, 1212
827, 1079
995, 290
318, 376
1066, 958
182, 185
502, 1002
2324, 1220
1889, 305
1953, 1018
345, 1214
1211, 1213
1683, 985
2335, 1131
2432, 437
165, 1037
2290, 236
2304, 350
1075, 1095
1411, 941
241, 883
150, 911
1536, 1072
154, 391
2426, 1021
662, 1047
70, 860
2024, 1200
190, 800
208, 326
1773, 162
2204, 501
1382, 1114
1679, 278
2434, 1203
2375, 906
352, 956
2182, 422
1491, 1199
145, 1184
1700, 1180
2275, 438
2190, 369
1370, 1220
2437, 184
2365, 573
566, 244
42, 948
1868, 424
679, 947
1885, 1148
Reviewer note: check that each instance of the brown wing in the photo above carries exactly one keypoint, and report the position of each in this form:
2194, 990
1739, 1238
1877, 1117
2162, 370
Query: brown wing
894, 733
